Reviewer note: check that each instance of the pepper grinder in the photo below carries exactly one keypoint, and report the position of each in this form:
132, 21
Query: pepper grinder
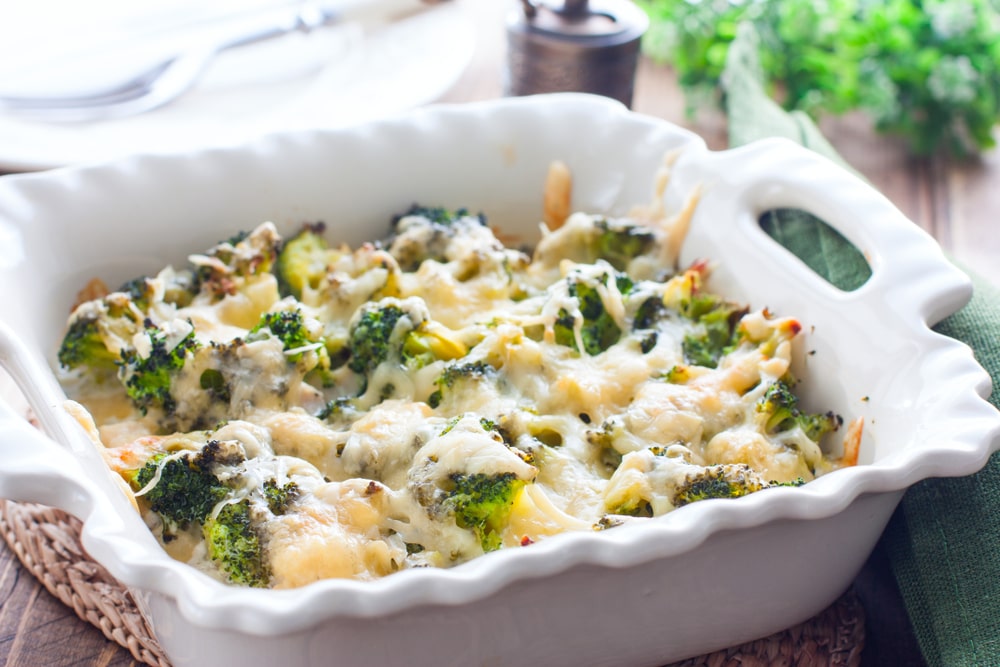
589, 47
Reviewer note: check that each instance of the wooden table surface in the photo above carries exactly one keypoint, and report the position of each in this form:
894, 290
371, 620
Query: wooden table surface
958, 203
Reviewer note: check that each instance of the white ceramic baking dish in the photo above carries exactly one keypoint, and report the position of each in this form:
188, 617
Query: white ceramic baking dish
706, 576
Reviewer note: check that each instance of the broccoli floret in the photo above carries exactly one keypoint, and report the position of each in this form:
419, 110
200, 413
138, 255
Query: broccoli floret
225, 266
438, 215
647, 341
234, 543
779, 407
716, 320
83, 346
148, 376
798, 481
174, 287
482, 503
599, 331
449, 484
563, 329
290, 328
706, 349
647, 317
816, 425
649, 313
424, 233
778, 410
458, 376
398, 332
185, 491
140, 291
99, 331
634, 506
730, 480
620, 241
304, 261
279, 497
719, 335
624, 284
727, 480
287, 326
371, 336
215, 453
587, 239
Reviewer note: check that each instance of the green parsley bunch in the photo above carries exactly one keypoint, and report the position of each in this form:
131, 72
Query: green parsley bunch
925, 70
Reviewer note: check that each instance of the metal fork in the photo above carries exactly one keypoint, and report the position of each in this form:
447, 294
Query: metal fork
169, 79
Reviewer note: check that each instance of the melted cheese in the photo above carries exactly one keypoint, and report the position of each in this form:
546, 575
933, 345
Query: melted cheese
506, 385
335, 534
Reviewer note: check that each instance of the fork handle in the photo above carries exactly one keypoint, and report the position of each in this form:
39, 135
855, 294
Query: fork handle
313, 14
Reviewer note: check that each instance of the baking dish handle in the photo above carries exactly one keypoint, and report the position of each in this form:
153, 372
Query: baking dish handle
33, 466
779, 174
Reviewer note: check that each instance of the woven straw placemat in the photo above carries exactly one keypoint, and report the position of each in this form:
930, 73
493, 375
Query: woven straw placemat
47, 542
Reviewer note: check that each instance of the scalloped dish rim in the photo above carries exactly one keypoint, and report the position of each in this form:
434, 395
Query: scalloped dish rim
973, 428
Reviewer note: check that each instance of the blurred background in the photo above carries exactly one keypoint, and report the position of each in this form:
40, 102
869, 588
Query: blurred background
906, 91
925, 73
92, 82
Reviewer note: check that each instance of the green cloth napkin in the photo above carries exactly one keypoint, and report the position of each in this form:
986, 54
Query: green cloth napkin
943, 542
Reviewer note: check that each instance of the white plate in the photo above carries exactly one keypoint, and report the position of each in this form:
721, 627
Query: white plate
333, 77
